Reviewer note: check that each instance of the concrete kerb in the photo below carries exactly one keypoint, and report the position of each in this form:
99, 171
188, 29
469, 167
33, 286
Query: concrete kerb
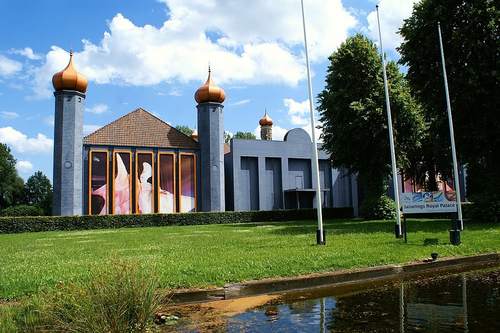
332, 279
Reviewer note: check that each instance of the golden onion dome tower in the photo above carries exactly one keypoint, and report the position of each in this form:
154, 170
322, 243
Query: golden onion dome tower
209, 92
69, 78
266, 127
266, 120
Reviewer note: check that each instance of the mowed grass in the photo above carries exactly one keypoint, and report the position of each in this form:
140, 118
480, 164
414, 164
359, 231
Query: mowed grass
212, 255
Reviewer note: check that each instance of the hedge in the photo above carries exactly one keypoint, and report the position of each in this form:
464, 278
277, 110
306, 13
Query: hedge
52, 223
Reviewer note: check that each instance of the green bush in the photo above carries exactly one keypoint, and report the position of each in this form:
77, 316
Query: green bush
382, 208
50, 223
121, 298
484, 209
22, 210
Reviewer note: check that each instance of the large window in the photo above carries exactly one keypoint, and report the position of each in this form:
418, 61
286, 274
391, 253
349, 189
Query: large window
144, 182
98, 182
187, 183
166, 183
122, 182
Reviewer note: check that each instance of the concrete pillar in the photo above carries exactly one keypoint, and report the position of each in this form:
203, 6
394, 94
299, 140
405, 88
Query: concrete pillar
211, 141
68, 154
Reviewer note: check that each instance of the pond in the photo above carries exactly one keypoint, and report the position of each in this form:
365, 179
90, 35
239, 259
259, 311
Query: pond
465, 302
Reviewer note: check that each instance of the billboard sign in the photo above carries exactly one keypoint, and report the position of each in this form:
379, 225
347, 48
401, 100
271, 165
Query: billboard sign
428, 202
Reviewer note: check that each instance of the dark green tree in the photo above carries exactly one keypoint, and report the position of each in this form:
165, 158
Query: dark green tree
184, 129
352, 109
38, 192
11, 185
227, 137
245, 135
471, 42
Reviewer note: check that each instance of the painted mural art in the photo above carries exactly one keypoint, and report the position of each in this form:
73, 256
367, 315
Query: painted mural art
145, 203
121, 184
188, 183
166, 191
99, 183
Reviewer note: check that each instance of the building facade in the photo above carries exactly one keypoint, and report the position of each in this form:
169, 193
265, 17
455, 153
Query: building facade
138, 164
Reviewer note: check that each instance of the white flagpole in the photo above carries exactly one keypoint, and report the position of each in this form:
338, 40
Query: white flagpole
452, 134
319, 234
391, 137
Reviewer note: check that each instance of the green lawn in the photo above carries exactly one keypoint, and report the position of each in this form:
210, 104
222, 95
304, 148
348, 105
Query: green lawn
212, 255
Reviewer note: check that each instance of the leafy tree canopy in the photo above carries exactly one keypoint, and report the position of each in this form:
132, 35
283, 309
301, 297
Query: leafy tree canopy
38, 192
245, 135
184, 129
352, 109
11, 185
470, 32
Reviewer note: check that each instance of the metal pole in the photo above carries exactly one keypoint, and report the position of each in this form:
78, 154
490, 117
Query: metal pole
452, 134
319, 233
391, 137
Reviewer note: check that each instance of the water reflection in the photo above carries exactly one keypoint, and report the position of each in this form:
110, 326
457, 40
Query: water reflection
467, 302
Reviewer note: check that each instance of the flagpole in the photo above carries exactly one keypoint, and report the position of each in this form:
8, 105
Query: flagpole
452, 134
320, 236
397, 229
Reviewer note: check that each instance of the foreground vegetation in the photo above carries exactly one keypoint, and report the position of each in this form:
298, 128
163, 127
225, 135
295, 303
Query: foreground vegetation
212, 255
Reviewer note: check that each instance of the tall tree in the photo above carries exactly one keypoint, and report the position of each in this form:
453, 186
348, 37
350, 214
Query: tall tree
472, 48
11, 185
245, 135
184, 129
38, 192
352, 108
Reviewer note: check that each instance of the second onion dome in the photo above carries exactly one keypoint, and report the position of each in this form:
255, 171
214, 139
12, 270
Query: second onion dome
266, 120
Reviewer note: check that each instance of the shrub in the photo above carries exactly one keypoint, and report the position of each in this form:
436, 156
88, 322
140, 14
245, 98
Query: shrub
50, 223
22, 210
381, 208
484, 209
118, 299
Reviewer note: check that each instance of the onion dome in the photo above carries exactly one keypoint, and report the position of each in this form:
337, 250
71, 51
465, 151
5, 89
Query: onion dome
209, 92
266, 120
69, 78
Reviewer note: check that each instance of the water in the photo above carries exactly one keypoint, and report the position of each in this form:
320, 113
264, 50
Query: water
466, 302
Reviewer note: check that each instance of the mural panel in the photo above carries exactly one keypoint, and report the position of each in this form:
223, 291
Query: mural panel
166, 183
122, 186
188, 183
144, 183
98, 184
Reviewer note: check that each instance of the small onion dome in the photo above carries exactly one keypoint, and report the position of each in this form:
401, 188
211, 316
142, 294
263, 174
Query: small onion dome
69, 78
209, 92
266, 120
194, 135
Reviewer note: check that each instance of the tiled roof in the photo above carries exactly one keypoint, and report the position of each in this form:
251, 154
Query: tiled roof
140, 128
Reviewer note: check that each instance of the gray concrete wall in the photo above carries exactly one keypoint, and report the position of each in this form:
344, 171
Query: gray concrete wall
211, 141
68, 154
294, 156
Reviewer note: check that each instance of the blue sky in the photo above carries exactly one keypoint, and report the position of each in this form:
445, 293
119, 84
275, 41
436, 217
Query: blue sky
154, 54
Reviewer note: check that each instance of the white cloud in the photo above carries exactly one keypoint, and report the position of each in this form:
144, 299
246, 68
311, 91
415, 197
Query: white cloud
87, 129
241, 102
8, 115
297, 111
392, 14
20, 142
27, 52
300, 115
98, 109
24, 167
240, 41
9, 66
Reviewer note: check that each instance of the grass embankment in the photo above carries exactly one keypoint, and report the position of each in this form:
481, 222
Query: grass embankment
212, 255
